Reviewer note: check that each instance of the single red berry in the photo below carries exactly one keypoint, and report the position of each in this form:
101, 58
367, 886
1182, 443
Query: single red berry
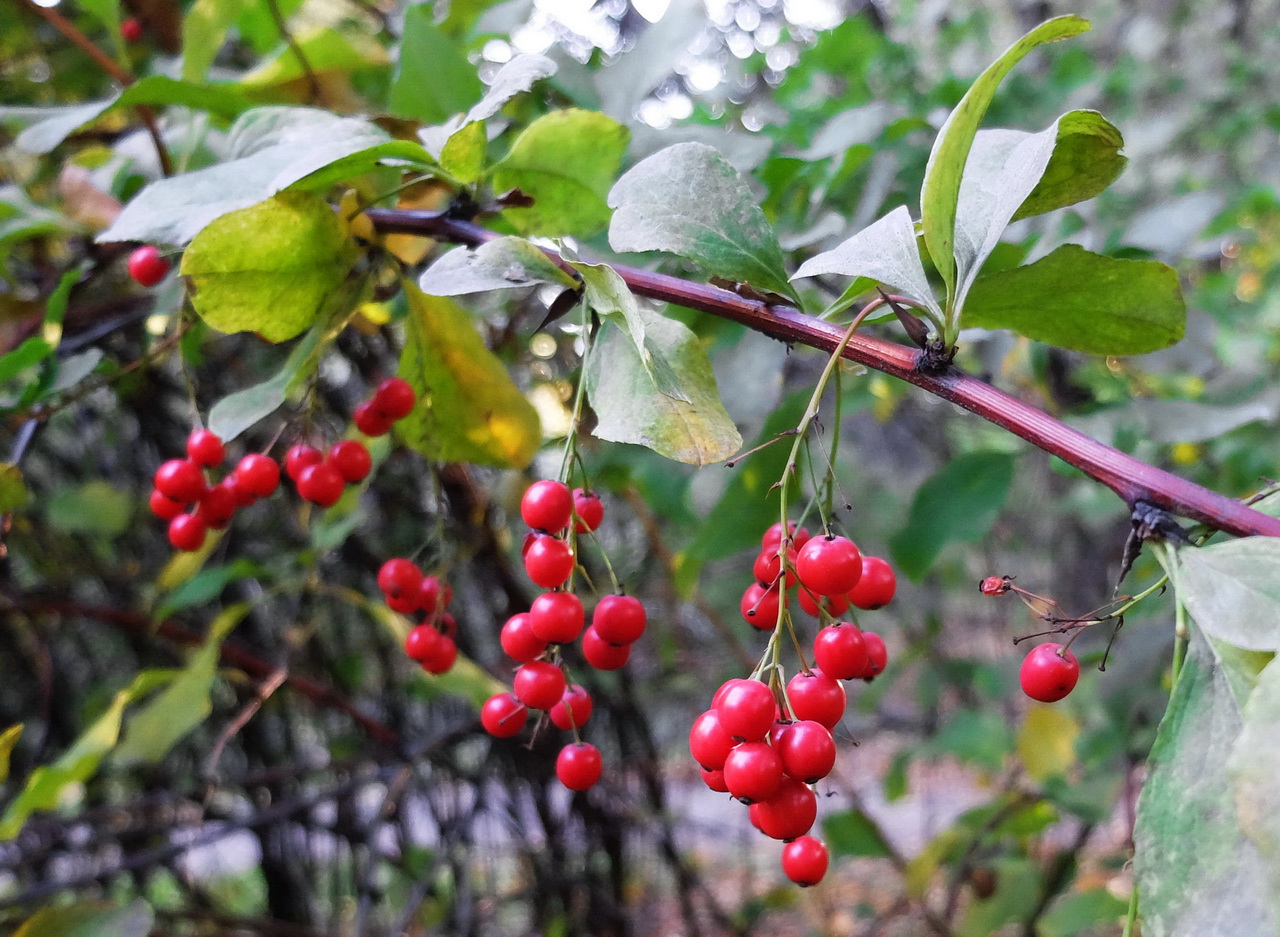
714, 780
1049, 673
180, 479
994, 585
518, 640
789, 813
840, 651
394, 397
805, 861
321, 484
164, 507
548, 561
187, 532
447, 624
420, 643
433, 595
218, 505
258, 474
244, 497
759, 606
557, 617
877, 655
588, 509
399, 577
835, 605
503, 716
602, 655
767, 567
573, 710
444, 653
709, 743
579, 765
146, 266
807, 750
876, 585
539, 684
725, 688
829, 565
370, 420
352, 460
619, 619
746, 710
131, 29
817, 696
753, 771
299, 456
773, 537
547, 505
205, 448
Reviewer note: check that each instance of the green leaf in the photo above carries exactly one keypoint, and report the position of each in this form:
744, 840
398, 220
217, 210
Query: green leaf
1086, 159
501, 264
851, 833
433, 78
959, 502
981, 738
208, 584
566, 160
272, 269
631, 407
183, 704
1017, 892
235, 413
325, 50
1196, 872
469, 410
96, 507
203, 29
30, 353
463, 154
1081, 912
950, 151
886, 252
1254, 770
90, 919
1082, 301
8, 739
688, 200
271, 149
1233, 590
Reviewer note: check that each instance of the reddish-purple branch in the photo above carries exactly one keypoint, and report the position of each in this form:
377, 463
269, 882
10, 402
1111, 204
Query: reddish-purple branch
1130, 478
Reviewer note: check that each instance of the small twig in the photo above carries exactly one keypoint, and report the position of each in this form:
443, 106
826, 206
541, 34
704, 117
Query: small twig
313, 82
273, 682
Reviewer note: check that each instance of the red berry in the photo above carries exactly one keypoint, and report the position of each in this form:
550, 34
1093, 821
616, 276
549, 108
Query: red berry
709, 743
181, 480
714, 780
205, 448
352, 460
131, 29
258, 474
840, 651
448, 625
218, 505
602, 655
547, 505
829, 565
877, 655
502, 715
399, 577
876, 585
753, 771
548, 561
539, 684
146, 266
420, 643
432, 595
394, 397
557, 617
773, 537
994, 585
321, 484
619, 619
444, 653
805, 861
1048, 673
164, 507
789, 813
767, 567
746, 710
370, 420
187, 532
578, 766
573, 710
518, 640
817, 696
759, 606
589, 510
299, 457
807, 750
836, 605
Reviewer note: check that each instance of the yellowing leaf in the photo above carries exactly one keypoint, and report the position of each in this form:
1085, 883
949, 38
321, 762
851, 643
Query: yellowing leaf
8, 738
468, 408
1047, 742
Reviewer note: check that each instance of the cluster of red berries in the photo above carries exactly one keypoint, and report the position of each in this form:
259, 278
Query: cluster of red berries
532, 639
432, 642
1050, 671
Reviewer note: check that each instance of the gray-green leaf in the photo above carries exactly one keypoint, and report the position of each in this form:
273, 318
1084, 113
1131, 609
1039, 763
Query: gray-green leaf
1232, 590
501, 264
1254, 769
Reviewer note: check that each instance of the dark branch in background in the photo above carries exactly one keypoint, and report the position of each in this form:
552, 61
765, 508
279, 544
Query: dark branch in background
112, 69
1132, 479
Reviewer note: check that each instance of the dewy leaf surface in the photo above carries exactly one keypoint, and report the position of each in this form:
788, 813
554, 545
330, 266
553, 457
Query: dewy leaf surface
884, 251
689, 201
566, 160
1232, 590
1254, 769
501, 264
941, 189
1197, 874
272, 268
631, 407
468, 408
1087, 302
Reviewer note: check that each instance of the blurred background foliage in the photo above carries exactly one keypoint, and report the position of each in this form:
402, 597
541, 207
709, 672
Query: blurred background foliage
960, 809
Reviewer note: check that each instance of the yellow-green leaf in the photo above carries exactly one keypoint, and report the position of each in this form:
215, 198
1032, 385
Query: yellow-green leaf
90, 919
8, 738
1047, 742
13, 491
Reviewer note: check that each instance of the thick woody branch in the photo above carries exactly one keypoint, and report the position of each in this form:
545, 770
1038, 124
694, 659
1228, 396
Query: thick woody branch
1132, 479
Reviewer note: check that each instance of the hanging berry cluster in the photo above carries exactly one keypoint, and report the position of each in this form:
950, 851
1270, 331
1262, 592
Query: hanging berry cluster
533, 639
432, 641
